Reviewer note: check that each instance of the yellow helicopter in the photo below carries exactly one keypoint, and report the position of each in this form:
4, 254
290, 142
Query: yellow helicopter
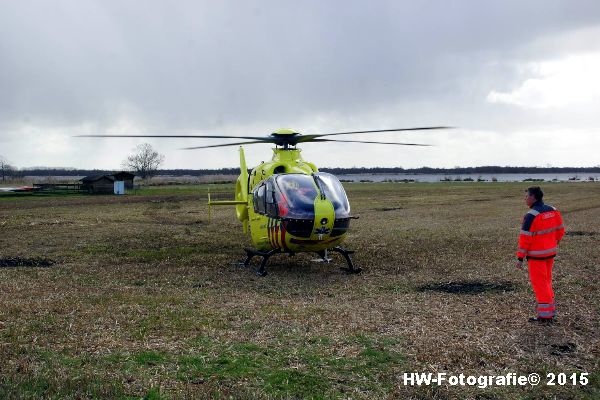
287, 204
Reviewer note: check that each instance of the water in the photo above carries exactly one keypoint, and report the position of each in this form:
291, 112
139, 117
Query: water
557, 177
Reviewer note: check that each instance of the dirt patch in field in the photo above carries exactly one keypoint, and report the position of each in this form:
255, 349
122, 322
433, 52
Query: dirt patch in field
560, 349
467, 287
8, 262
580, 233
389, 208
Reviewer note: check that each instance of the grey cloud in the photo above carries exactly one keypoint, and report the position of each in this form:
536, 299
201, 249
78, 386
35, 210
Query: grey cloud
229, 64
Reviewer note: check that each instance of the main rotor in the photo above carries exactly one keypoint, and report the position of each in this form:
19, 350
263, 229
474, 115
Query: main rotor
283, 137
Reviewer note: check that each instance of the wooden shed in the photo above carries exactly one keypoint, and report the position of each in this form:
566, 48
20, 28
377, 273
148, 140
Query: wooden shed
105, 183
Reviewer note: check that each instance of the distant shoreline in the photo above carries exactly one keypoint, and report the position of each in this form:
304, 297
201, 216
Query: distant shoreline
162, 180
334, 170
474, 177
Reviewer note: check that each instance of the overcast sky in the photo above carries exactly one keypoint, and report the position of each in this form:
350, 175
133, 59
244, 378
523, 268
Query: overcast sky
520, 80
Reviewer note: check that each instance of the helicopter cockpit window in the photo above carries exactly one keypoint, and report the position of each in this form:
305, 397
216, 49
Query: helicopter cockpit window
334, 191
259, 199
295, 196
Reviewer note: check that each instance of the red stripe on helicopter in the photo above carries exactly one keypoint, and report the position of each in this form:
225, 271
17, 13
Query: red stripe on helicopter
269, 227
272, 230
283, 236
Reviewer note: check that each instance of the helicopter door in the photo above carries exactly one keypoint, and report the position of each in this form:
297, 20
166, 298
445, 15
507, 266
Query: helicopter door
271, 199
265, 199
259, 199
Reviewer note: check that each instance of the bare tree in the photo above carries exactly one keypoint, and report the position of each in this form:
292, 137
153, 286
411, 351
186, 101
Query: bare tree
144, 161
5, 168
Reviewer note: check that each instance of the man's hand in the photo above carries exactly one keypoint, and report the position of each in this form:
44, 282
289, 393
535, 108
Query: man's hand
519, 265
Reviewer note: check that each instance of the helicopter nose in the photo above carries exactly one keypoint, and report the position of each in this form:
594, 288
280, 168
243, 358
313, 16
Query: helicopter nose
324, 216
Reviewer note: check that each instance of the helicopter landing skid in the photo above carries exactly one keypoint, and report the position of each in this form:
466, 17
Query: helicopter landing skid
346, 253
262, 270
250, 253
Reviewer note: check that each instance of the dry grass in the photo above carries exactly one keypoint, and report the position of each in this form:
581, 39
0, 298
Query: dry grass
144, 300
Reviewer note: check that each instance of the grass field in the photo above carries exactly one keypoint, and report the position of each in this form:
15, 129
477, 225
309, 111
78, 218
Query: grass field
143, 298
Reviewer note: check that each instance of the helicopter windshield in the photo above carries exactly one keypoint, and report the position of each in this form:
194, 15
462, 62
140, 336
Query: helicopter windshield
334, 191
296, 196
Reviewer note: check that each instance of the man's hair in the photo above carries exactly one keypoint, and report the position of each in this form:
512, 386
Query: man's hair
536, 191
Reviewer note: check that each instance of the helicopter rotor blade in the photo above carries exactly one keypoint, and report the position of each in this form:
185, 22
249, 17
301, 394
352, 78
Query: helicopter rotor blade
179, 136
306, 138
225, 145
370, 142
279, 139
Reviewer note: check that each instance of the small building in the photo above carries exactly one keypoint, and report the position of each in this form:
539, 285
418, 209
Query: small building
127, 177
105, 183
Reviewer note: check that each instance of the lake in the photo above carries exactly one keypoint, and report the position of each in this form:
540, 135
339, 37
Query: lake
558, 177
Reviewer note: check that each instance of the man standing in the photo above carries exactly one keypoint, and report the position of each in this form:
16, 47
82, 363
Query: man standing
541, 232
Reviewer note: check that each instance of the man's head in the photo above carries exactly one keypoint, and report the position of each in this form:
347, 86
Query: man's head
533, 194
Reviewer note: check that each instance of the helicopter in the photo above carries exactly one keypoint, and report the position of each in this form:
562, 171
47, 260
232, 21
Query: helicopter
287, 204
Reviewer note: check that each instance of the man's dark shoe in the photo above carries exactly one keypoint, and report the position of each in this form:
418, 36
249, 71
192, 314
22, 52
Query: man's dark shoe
542, 320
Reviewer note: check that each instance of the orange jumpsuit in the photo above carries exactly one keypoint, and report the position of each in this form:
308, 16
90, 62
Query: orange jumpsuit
541, 232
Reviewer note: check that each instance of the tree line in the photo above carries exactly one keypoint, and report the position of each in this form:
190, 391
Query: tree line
145, 162
42, 171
